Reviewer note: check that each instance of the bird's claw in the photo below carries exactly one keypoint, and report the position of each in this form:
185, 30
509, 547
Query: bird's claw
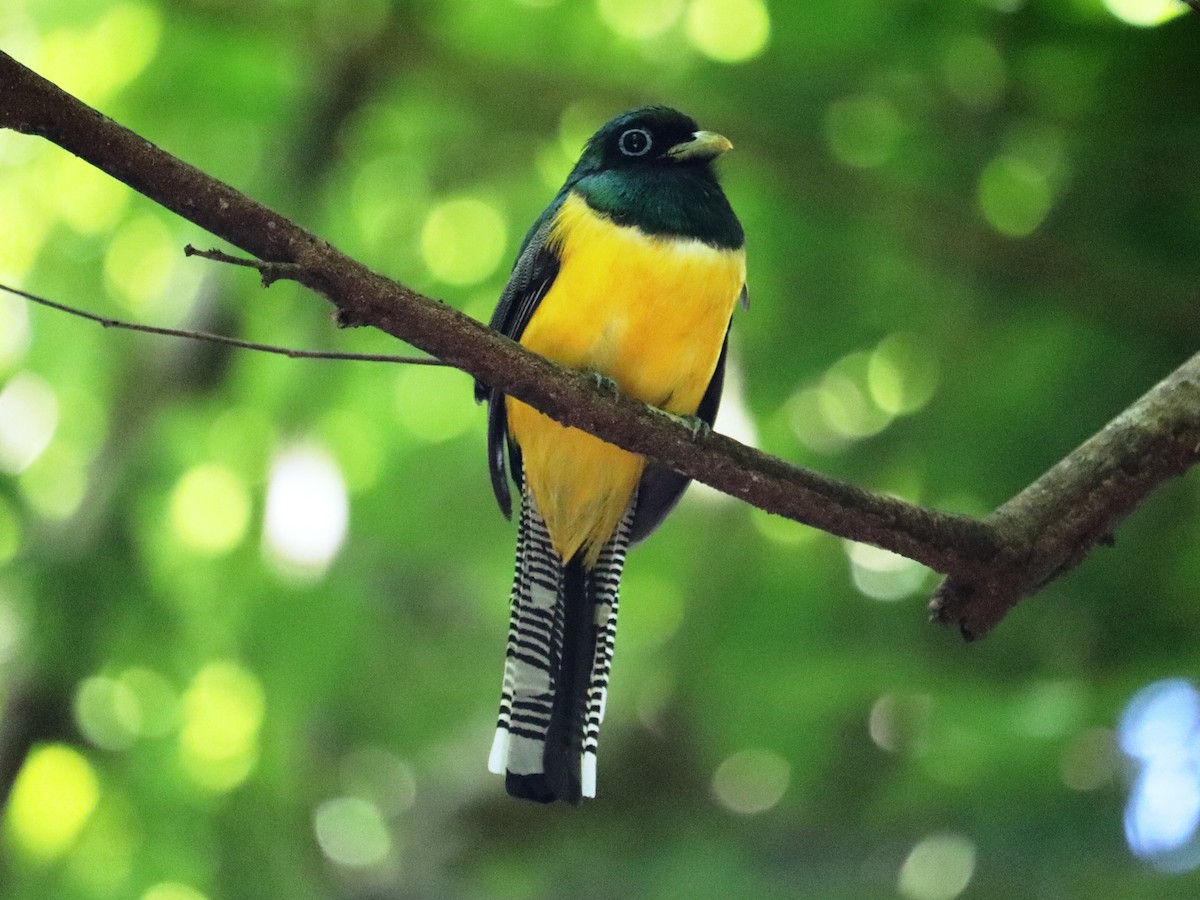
694, 424
604, 383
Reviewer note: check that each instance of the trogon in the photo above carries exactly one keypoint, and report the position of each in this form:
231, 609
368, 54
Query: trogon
631, 273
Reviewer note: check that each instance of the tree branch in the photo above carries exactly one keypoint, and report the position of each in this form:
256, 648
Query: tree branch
992, 563
211, 338
1048, 528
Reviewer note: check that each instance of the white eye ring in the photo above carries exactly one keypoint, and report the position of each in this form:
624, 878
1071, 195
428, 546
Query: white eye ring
630, 145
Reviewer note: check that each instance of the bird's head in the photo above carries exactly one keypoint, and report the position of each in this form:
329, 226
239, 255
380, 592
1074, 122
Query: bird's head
652, 169
648, 138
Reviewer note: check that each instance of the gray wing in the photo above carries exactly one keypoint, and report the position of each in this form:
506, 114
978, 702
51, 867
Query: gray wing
535, 270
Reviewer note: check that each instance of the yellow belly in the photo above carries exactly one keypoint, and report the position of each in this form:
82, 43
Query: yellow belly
649, 313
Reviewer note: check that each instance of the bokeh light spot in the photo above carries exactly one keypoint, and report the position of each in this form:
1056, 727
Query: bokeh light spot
172, 890
95, 62
639, 19
862, 131
844, 407
751, 781
902, 374
1145, 13
1160, 732
308, 512
210, 509
845, 401
729, 31
804, 415
781, 530
351, 832
88, 200
432, 405
463, 240
381, 776
158, 704
1162, 815
107, 712
1161, 720
130, 32
138, 266
23, 236
1043, 147
938, 868
56, 483
223, 710
881, 574
53, 797
28, 419
1014, 196
974, 72
861, 393
14, 329
899, 723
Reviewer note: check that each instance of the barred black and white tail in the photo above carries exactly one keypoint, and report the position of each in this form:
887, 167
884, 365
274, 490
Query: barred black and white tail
562, 628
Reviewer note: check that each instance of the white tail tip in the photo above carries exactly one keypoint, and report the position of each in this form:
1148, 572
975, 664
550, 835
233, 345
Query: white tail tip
498, 758
587, 775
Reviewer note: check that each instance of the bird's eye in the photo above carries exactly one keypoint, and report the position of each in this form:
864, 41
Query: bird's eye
635, 142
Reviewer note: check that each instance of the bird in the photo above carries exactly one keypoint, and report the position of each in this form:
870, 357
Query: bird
632, 273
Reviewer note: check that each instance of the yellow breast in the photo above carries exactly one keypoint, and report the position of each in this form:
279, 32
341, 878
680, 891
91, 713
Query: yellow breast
649, 313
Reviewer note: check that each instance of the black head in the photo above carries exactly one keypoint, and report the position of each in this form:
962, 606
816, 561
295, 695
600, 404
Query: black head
653, 136
651, 168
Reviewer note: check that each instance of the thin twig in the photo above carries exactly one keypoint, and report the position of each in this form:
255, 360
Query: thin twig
270, 272
222, 256
1194, 4
220, 338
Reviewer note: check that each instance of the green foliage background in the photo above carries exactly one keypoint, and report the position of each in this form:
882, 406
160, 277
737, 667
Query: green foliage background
972, 236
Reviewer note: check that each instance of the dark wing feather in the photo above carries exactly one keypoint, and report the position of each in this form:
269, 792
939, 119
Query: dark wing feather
661, 486
535, 270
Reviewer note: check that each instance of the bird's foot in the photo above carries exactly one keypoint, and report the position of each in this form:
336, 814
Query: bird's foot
696, 425
604, 383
